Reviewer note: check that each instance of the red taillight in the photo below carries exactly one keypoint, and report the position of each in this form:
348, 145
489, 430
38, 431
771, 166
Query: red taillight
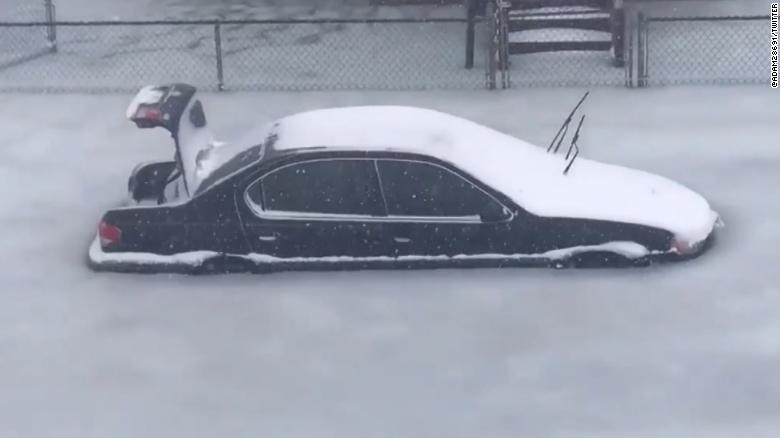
148, 117
149, 113
109, 234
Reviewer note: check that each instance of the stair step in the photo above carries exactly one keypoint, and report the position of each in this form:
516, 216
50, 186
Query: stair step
519, 48
538, 4
570, 12
590, 23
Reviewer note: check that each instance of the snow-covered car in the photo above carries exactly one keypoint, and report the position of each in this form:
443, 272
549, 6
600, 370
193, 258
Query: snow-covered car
383, 186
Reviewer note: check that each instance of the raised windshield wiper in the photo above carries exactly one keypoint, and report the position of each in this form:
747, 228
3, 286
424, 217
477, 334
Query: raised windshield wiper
573, 146
558, 139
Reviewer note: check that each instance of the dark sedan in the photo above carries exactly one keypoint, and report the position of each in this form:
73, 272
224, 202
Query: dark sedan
313, 195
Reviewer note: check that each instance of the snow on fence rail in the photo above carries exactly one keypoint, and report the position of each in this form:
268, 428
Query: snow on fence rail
702, 50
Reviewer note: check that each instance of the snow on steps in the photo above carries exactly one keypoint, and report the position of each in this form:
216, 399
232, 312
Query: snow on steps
560, 26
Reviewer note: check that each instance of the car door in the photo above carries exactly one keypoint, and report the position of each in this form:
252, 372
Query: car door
433, 211
314, 209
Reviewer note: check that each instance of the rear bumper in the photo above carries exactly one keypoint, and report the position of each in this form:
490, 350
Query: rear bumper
137, 262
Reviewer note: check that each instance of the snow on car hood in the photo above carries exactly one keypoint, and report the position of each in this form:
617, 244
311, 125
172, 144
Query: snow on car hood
526, 173
607, 192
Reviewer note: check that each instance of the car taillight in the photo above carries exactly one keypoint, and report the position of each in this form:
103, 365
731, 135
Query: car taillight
109, 234
147, 116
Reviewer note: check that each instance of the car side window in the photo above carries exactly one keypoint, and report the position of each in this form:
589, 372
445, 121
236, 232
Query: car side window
322, 187
413, 188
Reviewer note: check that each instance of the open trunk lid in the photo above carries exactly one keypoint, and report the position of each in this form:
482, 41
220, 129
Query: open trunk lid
175, 108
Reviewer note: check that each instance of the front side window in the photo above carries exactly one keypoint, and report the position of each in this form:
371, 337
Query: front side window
419, 189
324, 187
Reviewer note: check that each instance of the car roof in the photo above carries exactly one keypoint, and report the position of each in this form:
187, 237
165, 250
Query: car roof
388, 128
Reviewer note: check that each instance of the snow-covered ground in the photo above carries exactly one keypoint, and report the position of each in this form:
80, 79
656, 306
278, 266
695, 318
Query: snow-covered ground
669, 351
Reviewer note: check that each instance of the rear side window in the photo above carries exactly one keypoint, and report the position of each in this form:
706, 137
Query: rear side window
326, 187
414, 188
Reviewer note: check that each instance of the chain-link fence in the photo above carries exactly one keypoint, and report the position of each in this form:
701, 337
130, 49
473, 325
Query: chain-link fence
256, 55
396, 54
18, 45
704, 50
23, 10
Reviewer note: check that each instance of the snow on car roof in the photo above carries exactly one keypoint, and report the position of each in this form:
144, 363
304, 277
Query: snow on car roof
527, 174
385, 128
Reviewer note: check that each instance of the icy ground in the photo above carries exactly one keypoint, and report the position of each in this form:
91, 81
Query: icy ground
669, 351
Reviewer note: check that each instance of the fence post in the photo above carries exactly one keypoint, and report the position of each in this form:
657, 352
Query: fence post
490, 64
470, 33
218, 46
642, 51
51, 28
503, 22
618, 28
628, 66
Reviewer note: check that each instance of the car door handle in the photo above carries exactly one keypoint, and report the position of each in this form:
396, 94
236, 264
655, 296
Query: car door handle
402, 239
270, 238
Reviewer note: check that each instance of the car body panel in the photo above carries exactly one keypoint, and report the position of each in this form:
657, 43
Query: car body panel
219, 224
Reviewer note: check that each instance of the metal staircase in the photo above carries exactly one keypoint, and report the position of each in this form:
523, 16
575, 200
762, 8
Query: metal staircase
538, 26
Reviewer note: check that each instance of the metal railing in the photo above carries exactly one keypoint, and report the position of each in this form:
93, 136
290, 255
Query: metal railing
702, 50
250, 54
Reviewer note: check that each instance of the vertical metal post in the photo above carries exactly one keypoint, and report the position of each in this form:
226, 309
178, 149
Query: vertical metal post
504, 43
490, 74
618, 29
628, 66
492, 52
471, 12
642, 51
502, 60
218, 46
646, 51
51, 28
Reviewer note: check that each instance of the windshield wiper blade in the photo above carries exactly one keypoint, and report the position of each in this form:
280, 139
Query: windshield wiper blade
576, 137
574, 147
565, 127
